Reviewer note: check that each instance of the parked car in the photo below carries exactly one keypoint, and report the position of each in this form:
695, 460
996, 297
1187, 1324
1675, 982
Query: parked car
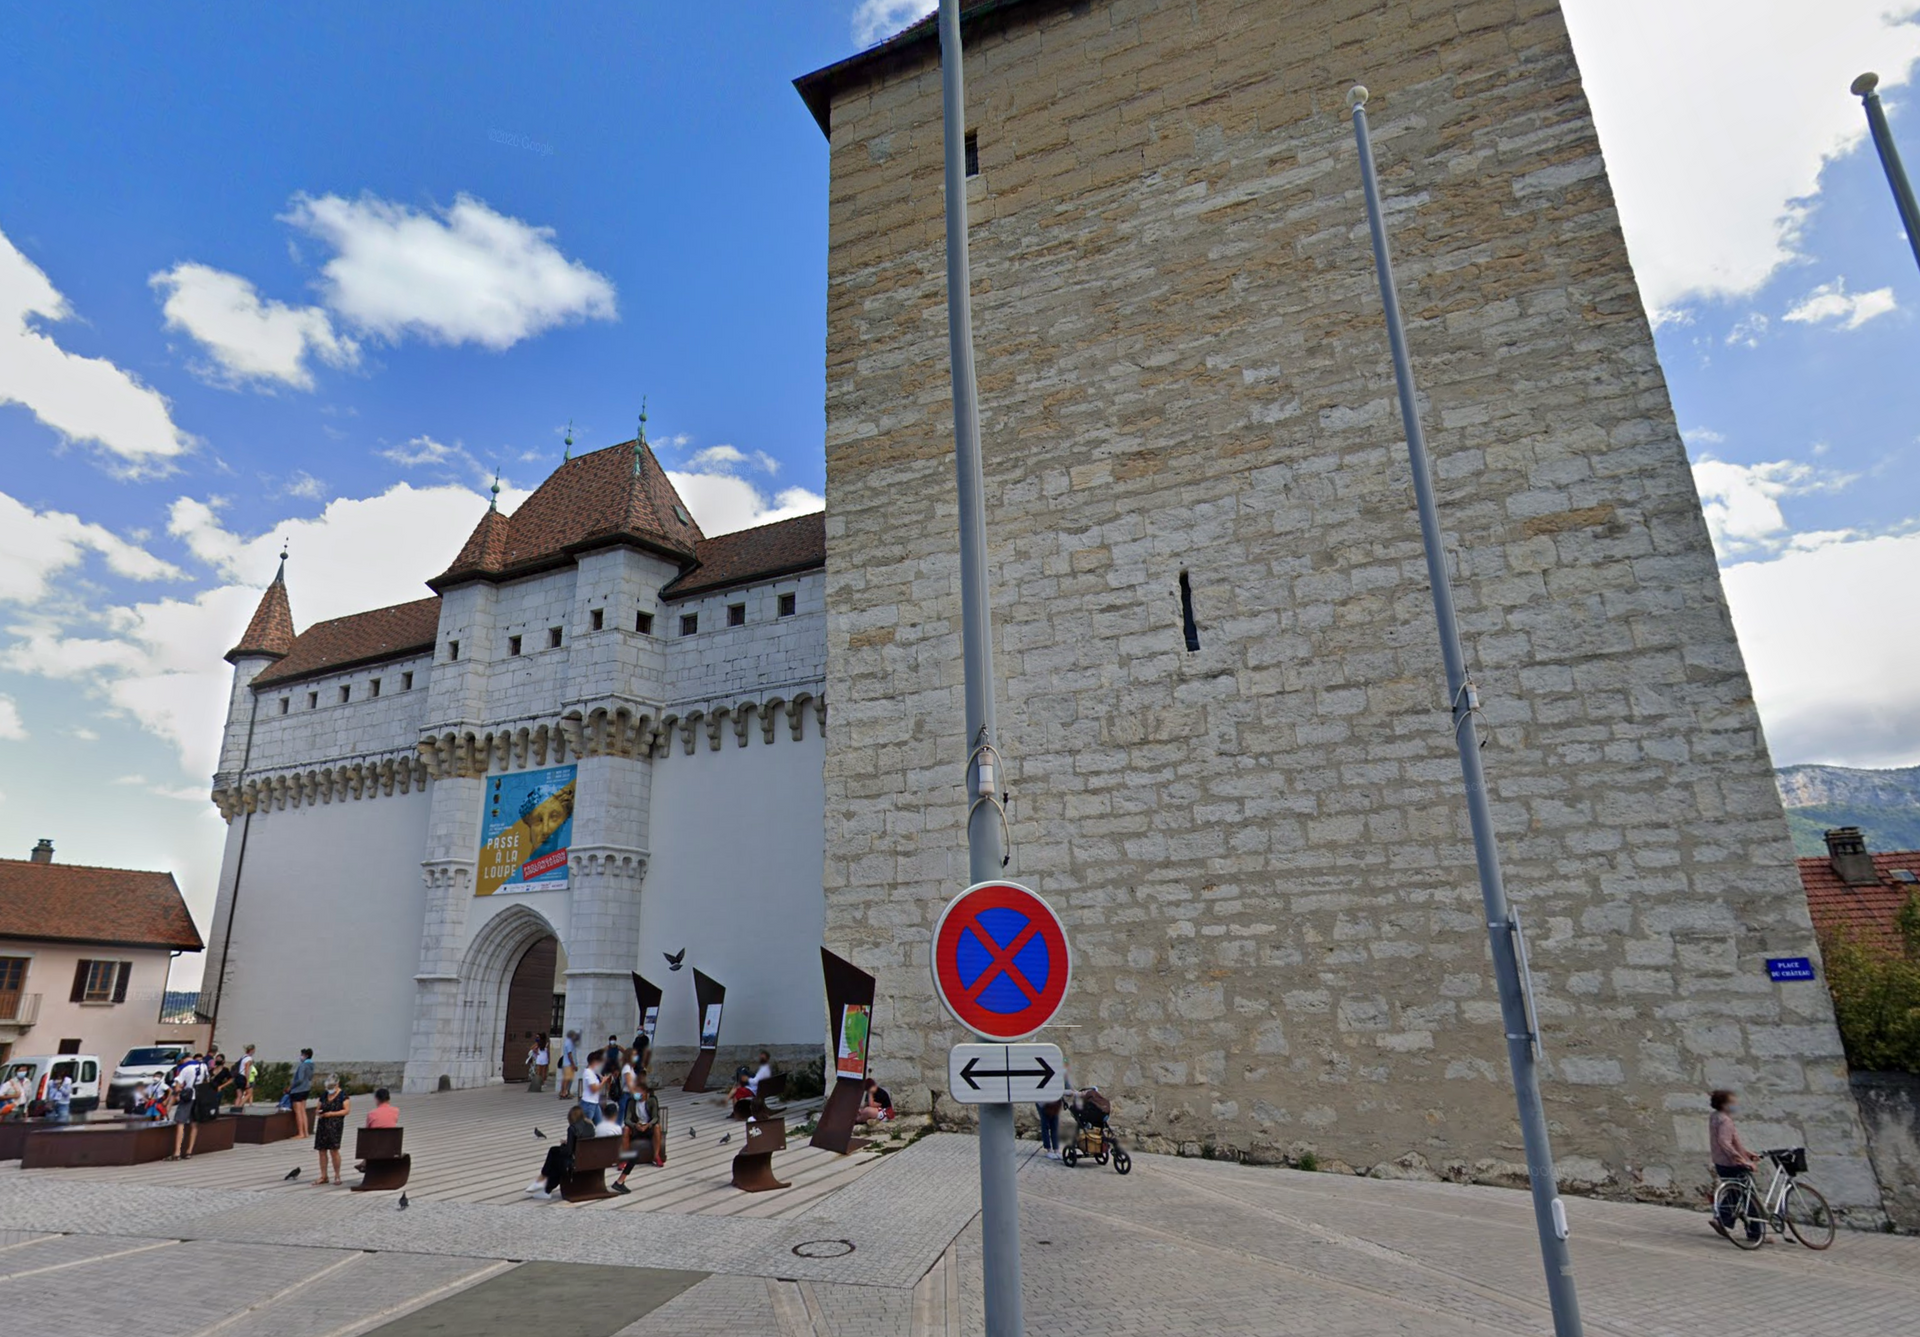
138, 1067
83, 1068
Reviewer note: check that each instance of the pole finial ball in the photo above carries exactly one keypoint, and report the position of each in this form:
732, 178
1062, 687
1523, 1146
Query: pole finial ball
1865, 84
1357, 96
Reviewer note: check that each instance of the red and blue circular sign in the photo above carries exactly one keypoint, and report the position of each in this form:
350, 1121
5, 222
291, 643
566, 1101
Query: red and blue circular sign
1000, 963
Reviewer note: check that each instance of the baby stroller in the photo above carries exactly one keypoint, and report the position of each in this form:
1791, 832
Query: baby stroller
1092, 1114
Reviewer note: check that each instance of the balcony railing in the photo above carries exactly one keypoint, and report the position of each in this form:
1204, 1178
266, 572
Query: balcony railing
19, 1009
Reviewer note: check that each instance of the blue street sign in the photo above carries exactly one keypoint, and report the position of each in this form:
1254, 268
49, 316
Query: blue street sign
1789, 968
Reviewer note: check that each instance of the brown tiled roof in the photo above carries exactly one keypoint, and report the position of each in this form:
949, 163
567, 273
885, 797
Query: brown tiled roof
120, 907
917, 43
778, 549
1865, 911
591, 501
271, 631
363, 638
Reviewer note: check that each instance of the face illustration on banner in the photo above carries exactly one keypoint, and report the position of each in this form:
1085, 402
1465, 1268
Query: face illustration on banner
526, 825
855, 1024
710, 1027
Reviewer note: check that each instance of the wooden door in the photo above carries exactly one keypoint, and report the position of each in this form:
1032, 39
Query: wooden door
529, 1007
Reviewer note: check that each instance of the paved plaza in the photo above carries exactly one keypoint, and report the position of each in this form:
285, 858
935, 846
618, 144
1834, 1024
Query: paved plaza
870, 1244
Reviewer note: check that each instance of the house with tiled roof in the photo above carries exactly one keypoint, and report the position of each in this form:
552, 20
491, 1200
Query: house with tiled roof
466, 821
1855, 891
84, 956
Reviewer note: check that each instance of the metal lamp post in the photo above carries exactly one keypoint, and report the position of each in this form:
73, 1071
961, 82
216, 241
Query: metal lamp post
1865, 88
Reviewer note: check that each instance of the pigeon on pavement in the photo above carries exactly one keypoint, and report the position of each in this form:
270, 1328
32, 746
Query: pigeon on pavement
690, 1132
403, 1202
542, 1136
294, 1173
726, 1137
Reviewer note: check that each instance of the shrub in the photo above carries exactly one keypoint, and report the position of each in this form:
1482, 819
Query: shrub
270, 1081
1307, 1161
808, 1080
1876, 995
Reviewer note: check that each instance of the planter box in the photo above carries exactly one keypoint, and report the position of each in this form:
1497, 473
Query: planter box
115, 1144
257, 1129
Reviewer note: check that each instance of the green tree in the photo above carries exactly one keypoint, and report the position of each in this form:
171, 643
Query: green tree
1876, 994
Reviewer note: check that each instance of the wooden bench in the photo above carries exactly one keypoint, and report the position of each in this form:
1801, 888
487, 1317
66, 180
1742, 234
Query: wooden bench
384, 1165
67, 1145
260, 1129
771, 1088
592, 1158
753, 1167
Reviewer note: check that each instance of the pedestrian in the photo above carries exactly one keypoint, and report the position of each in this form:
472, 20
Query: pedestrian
559, 1159
60, 1095
246, 1071
16, 1092
537, 1066
630, 1084
876, 1105
593, 1085
569, 1063
329, 1125
1049, 1129
186, 1133
1731, 1159
300, 1090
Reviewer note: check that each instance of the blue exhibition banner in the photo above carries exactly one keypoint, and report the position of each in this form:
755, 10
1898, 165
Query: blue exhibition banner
1789, 968
526, 825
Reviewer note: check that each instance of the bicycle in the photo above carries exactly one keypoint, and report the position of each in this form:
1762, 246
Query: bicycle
1788, 1206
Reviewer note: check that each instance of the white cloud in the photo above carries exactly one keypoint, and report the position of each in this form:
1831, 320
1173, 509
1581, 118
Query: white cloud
424, 450
12, 729
1832, 670
1742, 501
875, 19
1748, 332
1832, 301
465, 274
723, 459
250, 339
1717, 116
304, 485
722, 503
81, 398
35, 546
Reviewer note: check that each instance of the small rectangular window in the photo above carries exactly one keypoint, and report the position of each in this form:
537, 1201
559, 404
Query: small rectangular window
513, 645
313, 700
453, 649
346, 693
406, 682
1188, 627
973, 153
597, 618
643, 623
736, 615
689, 624
553, 638
286, 704
373, 687
789, 604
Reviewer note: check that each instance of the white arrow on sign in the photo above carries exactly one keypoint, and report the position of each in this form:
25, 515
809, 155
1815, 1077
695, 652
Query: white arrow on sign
1006, 1074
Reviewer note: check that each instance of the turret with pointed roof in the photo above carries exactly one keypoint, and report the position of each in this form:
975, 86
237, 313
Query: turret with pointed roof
270, 634
611, 497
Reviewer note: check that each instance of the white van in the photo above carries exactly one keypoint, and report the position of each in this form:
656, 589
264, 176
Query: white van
83, 1068
140, 1066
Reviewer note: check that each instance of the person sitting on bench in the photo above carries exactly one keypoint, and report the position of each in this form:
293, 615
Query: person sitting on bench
559, 1159
761, 1073
644, 1130
741, 1095
875, 1104
382, 1115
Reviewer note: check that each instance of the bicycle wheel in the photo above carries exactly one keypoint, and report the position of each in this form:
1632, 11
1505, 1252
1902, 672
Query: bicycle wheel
1808, 1216
1732, 1202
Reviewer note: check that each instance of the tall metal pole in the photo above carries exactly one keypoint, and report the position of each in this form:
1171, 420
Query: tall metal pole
1863, 88
999, 1203
1502, 929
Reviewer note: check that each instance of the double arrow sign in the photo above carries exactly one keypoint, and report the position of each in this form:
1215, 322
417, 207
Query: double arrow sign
1006, 1074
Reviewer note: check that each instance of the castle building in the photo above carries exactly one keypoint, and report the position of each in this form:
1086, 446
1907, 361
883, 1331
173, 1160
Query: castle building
456, 821
1221, 701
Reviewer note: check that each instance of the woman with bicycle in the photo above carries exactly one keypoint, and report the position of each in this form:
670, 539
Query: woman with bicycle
1731, 1159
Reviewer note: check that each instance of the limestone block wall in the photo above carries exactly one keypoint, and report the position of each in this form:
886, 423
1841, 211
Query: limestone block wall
1259, 846
720, 661
307, 723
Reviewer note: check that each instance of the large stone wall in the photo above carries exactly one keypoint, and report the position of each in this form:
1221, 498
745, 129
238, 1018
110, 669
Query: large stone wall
1260, 847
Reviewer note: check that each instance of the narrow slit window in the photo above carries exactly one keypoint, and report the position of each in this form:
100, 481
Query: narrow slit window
736, 615
973, 153
643, 623
286, 704
406, 682
689, 624
789, 604
553, 638
313, 700
513, 645
453, 649
597, 618
346, 693
373, 687
1188, 627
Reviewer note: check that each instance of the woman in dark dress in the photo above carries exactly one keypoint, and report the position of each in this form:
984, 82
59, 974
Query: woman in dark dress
329, 1126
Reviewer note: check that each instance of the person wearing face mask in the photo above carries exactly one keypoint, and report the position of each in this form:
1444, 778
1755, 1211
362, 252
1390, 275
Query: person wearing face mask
1731, 1158
329, 1125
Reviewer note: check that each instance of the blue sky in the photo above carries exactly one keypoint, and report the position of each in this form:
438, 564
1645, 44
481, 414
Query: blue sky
317, 274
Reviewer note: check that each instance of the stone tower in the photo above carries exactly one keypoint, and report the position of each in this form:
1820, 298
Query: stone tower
1255, 832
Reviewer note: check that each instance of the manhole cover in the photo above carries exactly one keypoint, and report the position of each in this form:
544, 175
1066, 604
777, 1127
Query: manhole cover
823, 1249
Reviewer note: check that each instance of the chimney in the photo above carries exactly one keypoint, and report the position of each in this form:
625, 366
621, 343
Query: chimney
43, 852
1847, 851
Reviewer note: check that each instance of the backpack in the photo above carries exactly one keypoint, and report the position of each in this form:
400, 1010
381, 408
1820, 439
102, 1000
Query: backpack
206, 1099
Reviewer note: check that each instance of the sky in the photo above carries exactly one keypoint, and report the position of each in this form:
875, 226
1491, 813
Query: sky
314, 274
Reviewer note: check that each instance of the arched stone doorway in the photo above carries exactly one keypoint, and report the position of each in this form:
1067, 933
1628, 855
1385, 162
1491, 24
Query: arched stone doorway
529, 1006
487, 973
